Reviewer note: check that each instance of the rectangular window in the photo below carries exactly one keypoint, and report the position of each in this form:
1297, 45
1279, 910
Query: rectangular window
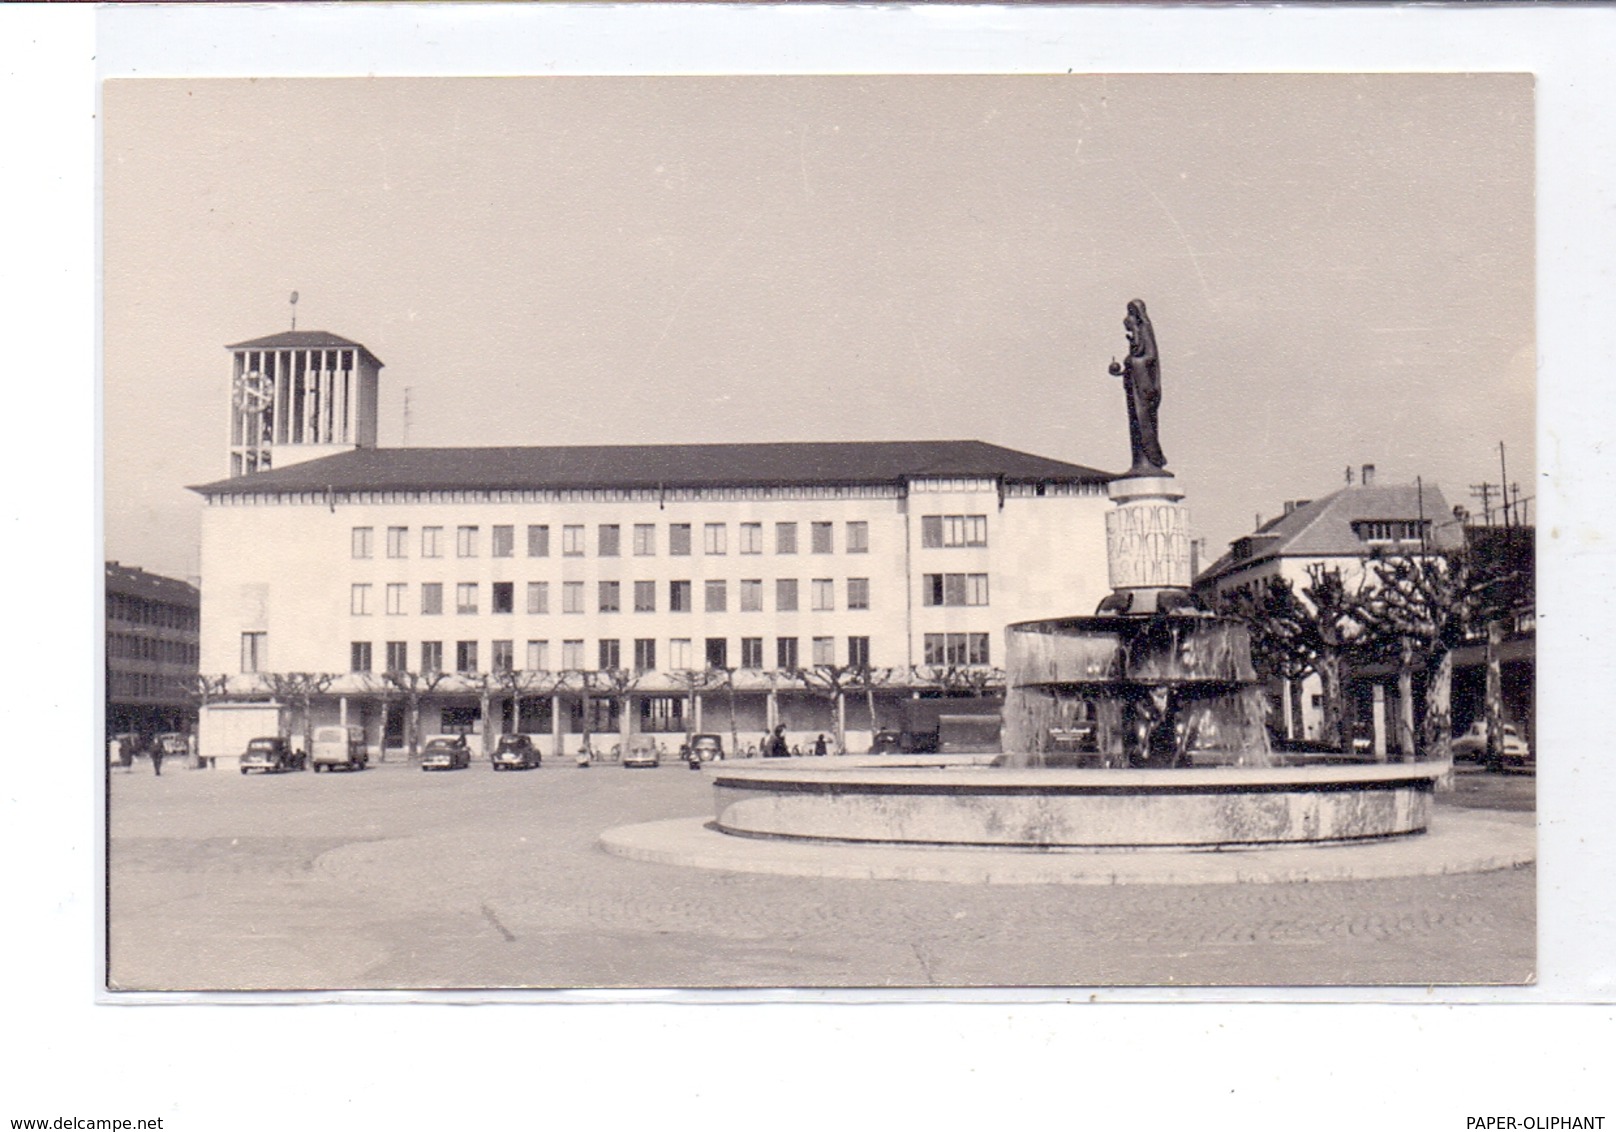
785, 595
359, 656
608, 540
465, 656
572, 540
538, 656
785, 538
679, 597
785, 652
466, 597
751, 595
645, 654
431, 597
538, 540
502, 655
678, 538
359, 598
644, 539
611, 653
956, 648
538, 597
255, 652
396, 598
611, 597
502, 597
679, 653
824, 594
502, 541
858, 652
361, 542
715, 538
572, 655
821, 537
858, 537
466, 542
572, 597
751, 538
398, 542
431, 542
824, 650
954, 530
644, 597
432, 657
717, 596
954, 589
398, 656
858, 593
717, 652
751, 652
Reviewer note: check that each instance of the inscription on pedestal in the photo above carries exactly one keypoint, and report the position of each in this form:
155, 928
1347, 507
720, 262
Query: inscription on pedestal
1148, 544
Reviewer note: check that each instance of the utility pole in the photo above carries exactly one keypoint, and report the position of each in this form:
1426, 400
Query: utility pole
1484, 492
1503, 483
407, 391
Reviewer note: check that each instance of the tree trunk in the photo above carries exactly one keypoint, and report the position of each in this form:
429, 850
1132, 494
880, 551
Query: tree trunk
841, 723
412, 728
1405, 701
1437, 728
1495, 697
1330, 687
1294, 691
869, 706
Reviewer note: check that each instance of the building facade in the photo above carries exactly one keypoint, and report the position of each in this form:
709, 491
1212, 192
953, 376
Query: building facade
152, 634
1341, 531
717, 587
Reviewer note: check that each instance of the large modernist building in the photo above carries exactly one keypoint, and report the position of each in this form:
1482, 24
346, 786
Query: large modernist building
718, 579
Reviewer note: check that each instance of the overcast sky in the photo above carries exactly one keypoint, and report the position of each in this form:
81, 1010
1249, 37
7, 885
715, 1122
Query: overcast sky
1339, 268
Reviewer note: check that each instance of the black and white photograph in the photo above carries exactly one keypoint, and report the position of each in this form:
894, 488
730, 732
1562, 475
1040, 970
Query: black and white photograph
820, 531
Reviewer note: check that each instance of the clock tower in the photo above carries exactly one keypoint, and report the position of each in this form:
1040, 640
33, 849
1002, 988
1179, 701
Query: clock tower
297, 396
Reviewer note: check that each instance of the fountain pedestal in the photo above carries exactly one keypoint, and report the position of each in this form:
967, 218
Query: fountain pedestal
1147, 543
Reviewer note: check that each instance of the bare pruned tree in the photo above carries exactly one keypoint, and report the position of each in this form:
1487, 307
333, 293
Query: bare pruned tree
299, 689
693, 681
831, 683
413, 687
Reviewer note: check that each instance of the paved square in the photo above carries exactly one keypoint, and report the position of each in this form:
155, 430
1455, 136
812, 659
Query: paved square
398, 879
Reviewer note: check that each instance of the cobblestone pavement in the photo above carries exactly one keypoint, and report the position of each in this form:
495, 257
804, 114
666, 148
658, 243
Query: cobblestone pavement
397, 879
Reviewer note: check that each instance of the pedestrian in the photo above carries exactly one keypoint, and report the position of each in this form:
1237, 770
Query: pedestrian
777, 747
819, 746
157, 757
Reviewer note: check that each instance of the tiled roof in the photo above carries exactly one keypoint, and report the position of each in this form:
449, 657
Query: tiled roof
132, 581
658, 465
304, 340
1322, 528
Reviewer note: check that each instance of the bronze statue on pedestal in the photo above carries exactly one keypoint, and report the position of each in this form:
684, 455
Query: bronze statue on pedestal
1141, 377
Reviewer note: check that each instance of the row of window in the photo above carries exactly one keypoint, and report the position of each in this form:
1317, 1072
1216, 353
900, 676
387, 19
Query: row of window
935, 531
609, 596
681, 654
130, 685
609, 539
937, 649
134, 646
122, 607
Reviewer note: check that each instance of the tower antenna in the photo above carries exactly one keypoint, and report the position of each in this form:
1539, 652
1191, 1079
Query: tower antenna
294, 310
407, 390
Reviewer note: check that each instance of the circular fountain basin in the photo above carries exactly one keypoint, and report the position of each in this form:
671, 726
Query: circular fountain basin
967, 800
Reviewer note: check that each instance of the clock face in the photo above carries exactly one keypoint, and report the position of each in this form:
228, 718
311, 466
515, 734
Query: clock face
252, 392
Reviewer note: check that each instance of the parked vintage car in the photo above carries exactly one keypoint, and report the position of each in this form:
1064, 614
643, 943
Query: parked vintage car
446, 752
642, 752
271, 755
338, 746
515, 752
707, 747
1471, 744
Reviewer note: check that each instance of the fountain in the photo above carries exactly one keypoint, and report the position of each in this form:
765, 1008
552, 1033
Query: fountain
1140, 726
